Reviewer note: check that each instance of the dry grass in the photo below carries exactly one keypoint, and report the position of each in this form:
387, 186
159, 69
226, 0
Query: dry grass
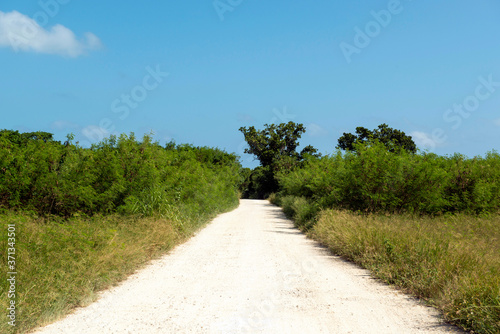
452, 262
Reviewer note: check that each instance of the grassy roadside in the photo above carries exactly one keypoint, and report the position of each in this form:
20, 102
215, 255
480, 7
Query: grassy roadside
86, 218
63, 264
452, 262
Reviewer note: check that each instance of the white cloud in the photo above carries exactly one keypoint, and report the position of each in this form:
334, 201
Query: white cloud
62, 124
315, 130
497, 122
95, 133
245, 118
22, 33
424, 140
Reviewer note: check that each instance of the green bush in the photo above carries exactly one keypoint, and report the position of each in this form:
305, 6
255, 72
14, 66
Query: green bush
302, 211
118, 173
375, 180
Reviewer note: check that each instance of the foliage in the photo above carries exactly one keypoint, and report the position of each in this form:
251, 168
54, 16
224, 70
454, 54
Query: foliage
259, 183
373, 179
274, 142
18, 138
276, 148
393, 139
114, 174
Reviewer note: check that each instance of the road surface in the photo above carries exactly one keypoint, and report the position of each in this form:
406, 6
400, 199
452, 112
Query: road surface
251, 271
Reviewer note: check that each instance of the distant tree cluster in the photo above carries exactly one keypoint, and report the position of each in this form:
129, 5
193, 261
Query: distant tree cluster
393, 139
276, 142
23, 138
276, 148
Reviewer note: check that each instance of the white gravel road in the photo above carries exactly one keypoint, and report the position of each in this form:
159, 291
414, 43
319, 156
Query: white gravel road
251, 271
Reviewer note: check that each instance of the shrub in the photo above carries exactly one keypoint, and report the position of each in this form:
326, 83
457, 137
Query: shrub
375, 180
116, 173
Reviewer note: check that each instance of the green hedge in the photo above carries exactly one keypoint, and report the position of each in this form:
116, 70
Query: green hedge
375, 180
118, 174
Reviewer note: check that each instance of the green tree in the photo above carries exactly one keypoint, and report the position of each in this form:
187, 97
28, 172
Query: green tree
276, 148
393, 139
18, 138
275, 142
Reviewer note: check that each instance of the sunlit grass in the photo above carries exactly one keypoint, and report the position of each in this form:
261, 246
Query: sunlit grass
452, 262
63, 264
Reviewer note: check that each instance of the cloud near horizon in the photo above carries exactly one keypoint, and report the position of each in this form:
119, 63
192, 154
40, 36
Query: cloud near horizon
22, 33
424, 140
94, 133
63, 125
315, 130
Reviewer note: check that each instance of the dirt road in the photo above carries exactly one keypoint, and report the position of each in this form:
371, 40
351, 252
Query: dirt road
251, 271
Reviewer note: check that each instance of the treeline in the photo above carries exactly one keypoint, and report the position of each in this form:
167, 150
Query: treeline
276, 148
118, 174
377, 170
372, 179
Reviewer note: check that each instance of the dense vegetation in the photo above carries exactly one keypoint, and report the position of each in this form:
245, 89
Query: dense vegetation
393, 139
118, 174
87, 218
426, 223
373, 179
276, 149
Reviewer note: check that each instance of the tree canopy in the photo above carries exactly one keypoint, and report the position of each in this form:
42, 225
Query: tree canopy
276, 148
22, 138
275, 142
391, 138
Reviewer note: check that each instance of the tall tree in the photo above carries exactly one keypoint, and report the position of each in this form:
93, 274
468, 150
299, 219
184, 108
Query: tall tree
391, 138
276, 148
275, 142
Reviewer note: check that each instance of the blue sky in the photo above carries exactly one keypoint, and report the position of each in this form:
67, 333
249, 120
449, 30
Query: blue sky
196, 71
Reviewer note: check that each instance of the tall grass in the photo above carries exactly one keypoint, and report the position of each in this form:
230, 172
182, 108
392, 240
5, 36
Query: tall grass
453, 262
303, 212
62, 264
